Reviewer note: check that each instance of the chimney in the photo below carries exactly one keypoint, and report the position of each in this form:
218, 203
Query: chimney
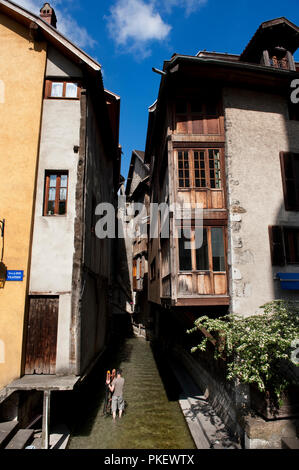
47, 13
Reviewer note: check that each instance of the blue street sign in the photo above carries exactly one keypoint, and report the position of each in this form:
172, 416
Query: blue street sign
16, 276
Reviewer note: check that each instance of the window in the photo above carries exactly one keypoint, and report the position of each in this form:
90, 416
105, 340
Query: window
290, 179
197, 117
199, 169
184, 170
279, 58
291, 238
56, 191
185, 253
209, 257
62, 90
153, 270
284, 244
134, 274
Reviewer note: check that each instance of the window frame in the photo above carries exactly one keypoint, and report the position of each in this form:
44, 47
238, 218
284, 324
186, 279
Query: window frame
192, 169
48, 90
194, 269
47, 176
191, 116
287, 204
280, 255
287, 231
153, 270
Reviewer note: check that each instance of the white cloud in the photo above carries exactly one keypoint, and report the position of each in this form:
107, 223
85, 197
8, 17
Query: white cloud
66, 24
133, 24
190, 6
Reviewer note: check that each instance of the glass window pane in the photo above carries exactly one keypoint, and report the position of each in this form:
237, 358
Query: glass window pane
52, 194
202, 254
63, 192
62, 208
53, 179
211, 109
196, 106
63, 181
71, 90
181, 107
51, 208
57, 90
184, 252
218, 249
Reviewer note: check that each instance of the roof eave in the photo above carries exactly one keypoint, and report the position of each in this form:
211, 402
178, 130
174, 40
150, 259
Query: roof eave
50, 33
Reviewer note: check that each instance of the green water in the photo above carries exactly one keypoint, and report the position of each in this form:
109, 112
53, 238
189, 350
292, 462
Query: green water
152, 419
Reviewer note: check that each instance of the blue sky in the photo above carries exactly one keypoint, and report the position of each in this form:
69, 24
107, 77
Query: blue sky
129, 37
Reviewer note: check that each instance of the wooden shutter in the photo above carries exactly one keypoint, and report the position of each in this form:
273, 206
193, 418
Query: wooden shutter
277, 245
290, 178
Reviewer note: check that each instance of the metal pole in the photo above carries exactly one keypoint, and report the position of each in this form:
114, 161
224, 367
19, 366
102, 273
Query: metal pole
46, 420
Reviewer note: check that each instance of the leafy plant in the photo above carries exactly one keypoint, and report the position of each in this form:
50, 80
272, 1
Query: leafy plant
254, 347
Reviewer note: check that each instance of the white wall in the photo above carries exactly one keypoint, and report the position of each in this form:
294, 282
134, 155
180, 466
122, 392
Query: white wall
257, 130
53, 237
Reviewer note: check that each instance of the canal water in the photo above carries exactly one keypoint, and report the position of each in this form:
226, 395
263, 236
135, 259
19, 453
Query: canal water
152, 418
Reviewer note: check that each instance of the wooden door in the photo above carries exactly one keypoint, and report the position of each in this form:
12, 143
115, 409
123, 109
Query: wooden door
42, 336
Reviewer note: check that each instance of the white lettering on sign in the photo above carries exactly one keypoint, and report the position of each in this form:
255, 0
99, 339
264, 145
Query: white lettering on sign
2, 92
2, 352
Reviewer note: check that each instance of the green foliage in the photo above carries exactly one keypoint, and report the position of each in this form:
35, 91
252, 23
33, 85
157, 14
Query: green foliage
254, 347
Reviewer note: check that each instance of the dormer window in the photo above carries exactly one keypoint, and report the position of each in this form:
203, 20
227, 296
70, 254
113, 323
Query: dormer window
279, 58
273, 45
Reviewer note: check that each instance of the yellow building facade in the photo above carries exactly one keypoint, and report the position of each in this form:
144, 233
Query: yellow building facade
22, 70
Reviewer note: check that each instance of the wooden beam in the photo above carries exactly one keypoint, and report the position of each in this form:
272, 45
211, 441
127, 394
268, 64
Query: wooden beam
203, 301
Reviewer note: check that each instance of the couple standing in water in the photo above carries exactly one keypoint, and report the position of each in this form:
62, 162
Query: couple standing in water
114, 392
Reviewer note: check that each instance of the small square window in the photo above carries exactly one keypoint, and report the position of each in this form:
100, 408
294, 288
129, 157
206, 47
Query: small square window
57, 90
56, 192
62, 90
71, 90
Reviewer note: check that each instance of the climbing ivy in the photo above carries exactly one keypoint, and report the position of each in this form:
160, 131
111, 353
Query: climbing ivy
254, 347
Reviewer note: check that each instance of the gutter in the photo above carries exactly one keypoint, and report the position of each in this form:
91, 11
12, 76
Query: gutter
231, 64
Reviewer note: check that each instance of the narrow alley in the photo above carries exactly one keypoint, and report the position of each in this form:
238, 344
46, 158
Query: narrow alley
152, 419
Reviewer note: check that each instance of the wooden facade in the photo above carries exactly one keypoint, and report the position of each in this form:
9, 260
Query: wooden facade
186, 147
190, 172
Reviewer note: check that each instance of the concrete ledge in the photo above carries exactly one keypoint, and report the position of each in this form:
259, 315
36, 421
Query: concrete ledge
44, 382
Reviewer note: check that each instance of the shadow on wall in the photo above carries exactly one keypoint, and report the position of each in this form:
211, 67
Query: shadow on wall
288, 220
122, 293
